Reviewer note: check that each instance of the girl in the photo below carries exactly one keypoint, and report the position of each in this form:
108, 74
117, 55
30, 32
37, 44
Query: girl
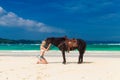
42, 52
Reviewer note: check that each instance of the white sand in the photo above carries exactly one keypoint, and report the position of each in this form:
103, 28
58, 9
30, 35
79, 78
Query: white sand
17, 65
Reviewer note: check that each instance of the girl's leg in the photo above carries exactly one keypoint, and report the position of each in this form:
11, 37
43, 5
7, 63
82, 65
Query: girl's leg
42, 60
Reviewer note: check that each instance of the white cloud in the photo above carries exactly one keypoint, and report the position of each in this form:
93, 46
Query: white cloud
10, 19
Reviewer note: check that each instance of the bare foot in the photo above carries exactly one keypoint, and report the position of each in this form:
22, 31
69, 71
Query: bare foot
42, 61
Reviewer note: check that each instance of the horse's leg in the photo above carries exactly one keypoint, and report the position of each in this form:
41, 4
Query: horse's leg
80, 59
81, 53
64, 59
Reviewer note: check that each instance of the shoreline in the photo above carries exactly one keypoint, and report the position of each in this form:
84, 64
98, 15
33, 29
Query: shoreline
57, 53
59, 50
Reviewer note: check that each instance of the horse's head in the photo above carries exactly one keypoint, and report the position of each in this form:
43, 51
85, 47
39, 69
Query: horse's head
54, 40
49, 40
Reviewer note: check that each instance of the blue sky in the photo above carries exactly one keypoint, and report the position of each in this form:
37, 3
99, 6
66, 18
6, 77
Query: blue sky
39, 19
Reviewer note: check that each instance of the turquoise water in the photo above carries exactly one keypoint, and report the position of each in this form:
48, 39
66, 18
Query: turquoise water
103, 47
90, 47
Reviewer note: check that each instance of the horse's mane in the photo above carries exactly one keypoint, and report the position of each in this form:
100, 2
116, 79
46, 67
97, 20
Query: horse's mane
55, 40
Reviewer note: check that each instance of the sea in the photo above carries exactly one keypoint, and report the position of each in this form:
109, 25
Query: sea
36, 47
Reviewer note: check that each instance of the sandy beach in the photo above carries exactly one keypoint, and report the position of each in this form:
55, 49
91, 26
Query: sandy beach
97, 65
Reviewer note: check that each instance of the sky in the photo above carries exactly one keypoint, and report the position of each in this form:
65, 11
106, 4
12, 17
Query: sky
93, 20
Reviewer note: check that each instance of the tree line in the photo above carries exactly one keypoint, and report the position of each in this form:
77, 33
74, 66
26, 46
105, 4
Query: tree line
22, 41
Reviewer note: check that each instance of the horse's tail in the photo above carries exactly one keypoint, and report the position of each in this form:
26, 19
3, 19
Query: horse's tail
82, 46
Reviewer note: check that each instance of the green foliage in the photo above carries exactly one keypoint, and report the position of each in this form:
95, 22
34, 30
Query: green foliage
8, 41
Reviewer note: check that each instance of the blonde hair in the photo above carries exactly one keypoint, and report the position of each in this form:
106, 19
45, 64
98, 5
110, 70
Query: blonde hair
43, 43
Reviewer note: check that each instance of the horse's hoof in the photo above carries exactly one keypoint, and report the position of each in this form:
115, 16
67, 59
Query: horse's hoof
64, 62
79, 62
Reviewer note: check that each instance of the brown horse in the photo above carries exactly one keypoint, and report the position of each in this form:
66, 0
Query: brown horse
60, 42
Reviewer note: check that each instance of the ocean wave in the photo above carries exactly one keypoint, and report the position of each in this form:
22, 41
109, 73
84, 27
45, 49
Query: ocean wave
18, 44
107, 44
24, 51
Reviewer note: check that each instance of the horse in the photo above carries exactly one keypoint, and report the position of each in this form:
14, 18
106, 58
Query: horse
60, 43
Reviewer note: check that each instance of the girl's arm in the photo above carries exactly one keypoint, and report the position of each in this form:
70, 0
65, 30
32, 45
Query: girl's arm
43, 48
48, 46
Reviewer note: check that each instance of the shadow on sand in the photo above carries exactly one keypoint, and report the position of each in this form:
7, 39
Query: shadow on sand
69, 63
